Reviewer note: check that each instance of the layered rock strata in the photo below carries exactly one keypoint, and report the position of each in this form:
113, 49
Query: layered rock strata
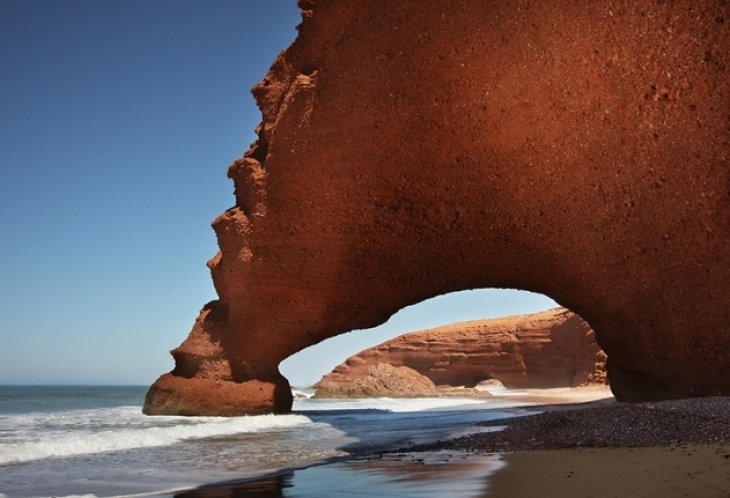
408, 149
555, 348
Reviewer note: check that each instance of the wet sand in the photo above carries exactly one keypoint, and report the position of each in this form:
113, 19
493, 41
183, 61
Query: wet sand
401, 475
698, 471
580, 443
604, 449
694, 471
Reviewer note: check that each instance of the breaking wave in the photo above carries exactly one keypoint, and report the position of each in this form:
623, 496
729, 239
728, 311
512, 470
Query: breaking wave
37, 436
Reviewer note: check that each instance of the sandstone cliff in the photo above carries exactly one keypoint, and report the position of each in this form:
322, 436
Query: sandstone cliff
408, 149
555, 348
382, 380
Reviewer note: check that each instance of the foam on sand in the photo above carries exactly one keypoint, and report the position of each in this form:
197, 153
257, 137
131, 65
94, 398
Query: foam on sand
396, 405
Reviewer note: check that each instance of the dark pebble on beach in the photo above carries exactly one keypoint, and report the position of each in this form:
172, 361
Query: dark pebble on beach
665, 423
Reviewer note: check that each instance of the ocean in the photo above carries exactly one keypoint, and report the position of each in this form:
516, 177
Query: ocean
94, 441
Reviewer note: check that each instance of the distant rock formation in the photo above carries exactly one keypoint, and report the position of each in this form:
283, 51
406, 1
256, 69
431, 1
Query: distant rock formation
383, 380
409, 149
554, 348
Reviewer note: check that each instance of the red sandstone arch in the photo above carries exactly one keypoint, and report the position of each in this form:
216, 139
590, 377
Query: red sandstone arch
408, 149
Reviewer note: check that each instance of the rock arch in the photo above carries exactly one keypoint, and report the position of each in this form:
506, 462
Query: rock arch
577, 149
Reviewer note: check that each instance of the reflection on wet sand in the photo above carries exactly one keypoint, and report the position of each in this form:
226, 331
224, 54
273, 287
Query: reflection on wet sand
425, 475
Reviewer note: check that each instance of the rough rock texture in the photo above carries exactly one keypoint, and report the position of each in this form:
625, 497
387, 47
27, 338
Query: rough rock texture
408, 149
382, 380
555, 348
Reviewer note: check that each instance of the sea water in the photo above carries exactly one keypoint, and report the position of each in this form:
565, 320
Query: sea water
95, 441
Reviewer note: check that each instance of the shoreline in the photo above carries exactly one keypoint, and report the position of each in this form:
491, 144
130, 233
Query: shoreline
601, 424
410, 474
606, 449
588, 445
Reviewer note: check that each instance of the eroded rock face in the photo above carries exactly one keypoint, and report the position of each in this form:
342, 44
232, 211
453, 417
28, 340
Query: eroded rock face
555, 348
408, 149
382, 380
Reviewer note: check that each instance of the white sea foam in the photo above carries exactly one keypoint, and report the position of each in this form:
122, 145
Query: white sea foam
38, 436
88, 495
302, 392
397, 405
75, 445
503, 391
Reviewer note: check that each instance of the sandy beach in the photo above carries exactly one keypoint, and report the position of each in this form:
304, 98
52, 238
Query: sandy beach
577, 443
587, 445
699, 471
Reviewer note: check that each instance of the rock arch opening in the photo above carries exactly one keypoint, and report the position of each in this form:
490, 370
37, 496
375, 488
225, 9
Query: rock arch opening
521, 339
309, 365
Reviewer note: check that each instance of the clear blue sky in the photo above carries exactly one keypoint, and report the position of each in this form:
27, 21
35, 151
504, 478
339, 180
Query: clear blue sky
118, 121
